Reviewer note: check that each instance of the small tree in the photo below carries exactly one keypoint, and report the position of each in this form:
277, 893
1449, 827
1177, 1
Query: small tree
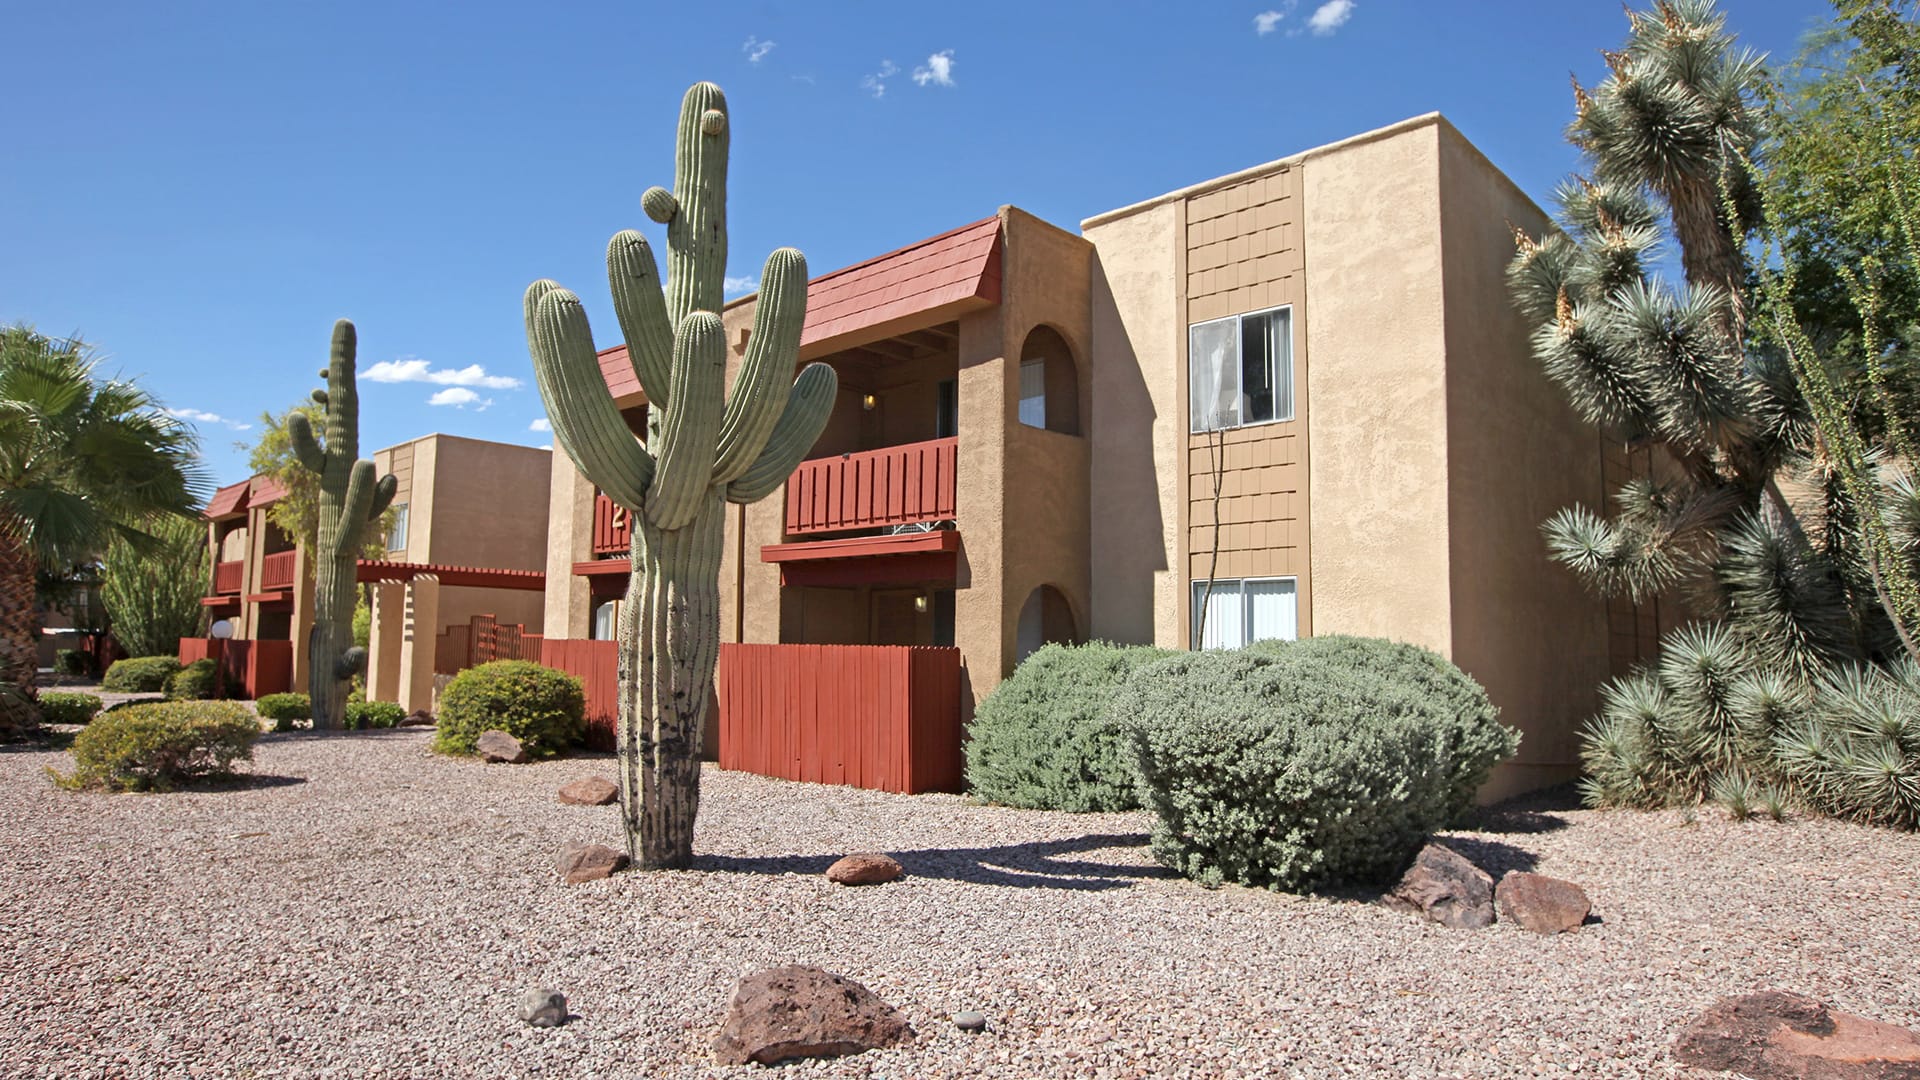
152, 591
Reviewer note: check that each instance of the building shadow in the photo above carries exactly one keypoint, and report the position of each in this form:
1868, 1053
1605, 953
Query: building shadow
1040, 865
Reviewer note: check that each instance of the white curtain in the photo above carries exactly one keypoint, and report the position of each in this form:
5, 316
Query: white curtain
1274, 610
1226, 620
1213, 376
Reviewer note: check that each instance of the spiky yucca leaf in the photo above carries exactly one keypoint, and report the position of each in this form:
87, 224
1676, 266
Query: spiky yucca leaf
1787, 604
1735, 792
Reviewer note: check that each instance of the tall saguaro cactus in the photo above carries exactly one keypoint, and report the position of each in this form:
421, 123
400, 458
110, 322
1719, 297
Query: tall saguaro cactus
705, 448
351, 500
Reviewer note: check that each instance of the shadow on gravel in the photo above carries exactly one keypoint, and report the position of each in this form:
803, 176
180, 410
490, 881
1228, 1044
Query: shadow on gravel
309, 735
1535, 812
245, 782
1492, 856
1020, 866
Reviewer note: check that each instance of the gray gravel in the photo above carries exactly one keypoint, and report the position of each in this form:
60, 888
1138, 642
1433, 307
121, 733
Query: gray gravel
366, 909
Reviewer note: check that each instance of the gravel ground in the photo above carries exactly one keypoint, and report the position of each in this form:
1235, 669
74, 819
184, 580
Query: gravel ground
364, 908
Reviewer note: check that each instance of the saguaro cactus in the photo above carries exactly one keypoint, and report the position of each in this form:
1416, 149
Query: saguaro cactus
351, 500
704, 449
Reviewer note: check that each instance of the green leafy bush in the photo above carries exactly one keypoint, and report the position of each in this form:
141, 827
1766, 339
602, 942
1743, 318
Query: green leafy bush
76, 663
60, 707
537, 705
373, 714
284, 709
161, 745
139, 674
1291, 768
1040, 740
195, 682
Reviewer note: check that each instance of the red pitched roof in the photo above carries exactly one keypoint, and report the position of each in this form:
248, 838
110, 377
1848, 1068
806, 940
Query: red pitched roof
265, 490
227, 501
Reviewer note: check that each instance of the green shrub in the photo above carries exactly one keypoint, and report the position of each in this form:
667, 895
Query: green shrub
284, 709
1289, 768
373, 714
59, 707
195, 682
160, 745
537, 705
1039, 740
73, 662
139, 674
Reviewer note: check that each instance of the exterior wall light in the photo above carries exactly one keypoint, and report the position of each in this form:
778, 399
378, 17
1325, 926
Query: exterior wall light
868, 402
920, 603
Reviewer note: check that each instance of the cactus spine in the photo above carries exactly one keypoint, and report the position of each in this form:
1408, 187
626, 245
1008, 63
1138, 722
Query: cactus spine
351, 500
704, 449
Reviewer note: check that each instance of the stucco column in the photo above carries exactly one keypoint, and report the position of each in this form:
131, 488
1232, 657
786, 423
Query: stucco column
387, 641
569, 598
421, 628
981, 626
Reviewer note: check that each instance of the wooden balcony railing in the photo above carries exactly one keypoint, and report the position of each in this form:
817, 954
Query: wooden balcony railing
277, 570
229, 577
612, 527
898, 485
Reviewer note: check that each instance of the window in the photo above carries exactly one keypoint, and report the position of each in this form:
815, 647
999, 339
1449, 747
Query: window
946, 417
606, 621
397, 539
1033, 393
1239, 612
1240, 370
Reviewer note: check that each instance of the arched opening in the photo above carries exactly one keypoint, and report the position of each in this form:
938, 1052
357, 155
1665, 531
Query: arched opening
1049, 383
1045, 618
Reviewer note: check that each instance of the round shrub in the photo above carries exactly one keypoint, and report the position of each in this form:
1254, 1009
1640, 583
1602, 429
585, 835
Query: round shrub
284, 709
537, 705
1286, 768
1039, 740
161, 745
195, 682
73, 662
139, 674
59, 707
362, 715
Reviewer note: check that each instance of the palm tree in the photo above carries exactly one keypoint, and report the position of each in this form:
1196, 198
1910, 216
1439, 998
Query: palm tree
82, 460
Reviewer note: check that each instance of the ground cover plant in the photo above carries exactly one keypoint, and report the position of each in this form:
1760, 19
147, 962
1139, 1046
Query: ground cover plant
139, 674
73, 663
161, 745
362, 715
62, 707
283, 709
195, 682
540, 706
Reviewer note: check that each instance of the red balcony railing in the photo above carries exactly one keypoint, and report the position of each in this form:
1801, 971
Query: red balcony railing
612, 527
228, 577
277, 570
900, 485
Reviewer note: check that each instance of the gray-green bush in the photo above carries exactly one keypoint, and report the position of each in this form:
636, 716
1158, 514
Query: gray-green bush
161, 745
283, 709
361, 715
195, 682
139, 674
540, 706
1040, 739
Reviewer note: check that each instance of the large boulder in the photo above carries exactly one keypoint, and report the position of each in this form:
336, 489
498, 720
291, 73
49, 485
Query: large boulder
804, 1012
867, 868
500, 746
1444, 887
592, 791
588, 862
1775, 1035
1541, 904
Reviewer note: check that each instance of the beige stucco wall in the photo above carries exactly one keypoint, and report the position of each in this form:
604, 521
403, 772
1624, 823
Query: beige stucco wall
567, 612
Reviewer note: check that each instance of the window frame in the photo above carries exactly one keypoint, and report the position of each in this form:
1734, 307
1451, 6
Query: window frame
1196, 589
1239, 326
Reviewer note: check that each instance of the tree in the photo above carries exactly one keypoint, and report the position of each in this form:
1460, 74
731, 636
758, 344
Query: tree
297, 511
152, 591
704, 449
83, 460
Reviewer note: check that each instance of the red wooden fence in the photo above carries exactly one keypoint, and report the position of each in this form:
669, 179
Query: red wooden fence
228, 577
899, 485
596, 663
482, 640
277, 571
250, 669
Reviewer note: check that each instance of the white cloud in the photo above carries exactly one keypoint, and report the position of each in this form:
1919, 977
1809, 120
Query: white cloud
876, 83
756, 49
459, 397
1269, 20
542, 424
937, 71
414, 369
201, 416
740, 286
1329, 17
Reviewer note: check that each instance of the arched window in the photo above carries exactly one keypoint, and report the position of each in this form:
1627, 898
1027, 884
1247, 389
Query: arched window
1049, 383
1045, 618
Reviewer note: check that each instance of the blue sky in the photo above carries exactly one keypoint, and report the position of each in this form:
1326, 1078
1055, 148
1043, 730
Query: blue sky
201, 189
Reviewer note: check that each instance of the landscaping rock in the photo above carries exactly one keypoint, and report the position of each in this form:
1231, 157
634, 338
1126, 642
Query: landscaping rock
499, 746
804, 1012
543, 1008
418, 718
1775, 1035
1541, 904
867, 868
588, 862
592, 791
970, 1021
1443, 886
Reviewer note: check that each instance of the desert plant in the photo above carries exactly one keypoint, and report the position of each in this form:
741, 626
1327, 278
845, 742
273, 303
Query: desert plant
704, 449
159, 746
18, 712
139, 674
350, 501
283, 709
1041, 740
540, 706
361, 715
73, 663
195, 682
59, 707
151, 589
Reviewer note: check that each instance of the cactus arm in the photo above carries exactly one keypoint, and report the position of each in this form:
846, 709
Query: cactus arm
586, 423
697, 232
305, 450
642, 309
809, 406
659, 204
383, 493
687, 443
359, 497
761, 391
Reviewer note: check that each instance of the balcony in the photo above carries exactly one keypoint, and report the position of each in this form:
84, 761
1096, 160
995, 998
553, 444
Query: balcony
873, 489
277, 571
612, 527
229, 577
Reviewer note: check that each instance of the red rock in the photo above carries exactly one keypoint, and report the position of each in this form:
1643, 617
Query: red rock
867, 868
499, 746
804, 1012
588, 862
1775, 1035
1446, 888
592, 791
1542, 904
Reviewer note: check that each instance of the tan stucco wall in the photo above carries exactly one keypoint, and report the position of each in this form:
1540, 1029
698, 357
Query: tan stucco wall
569, 540
487, 507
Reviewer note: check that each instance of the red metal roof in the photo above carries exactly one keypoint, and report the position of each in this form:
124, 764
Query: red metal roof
617, 369
266, 489
473, 576
228, 500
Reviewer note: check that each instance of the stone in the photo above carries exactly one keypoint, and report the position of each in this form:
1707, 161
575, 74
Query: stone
588, 862
499, 746
804, 1012
1444, 887
1776, 1035
866, 868
543, 1008
592, 791
970, 1021
418, 718
1541, 904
